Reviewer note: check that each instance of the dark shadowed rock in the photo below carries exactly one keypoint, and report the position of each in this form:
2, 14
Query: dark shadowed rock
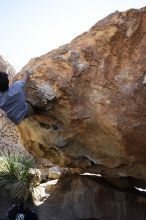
81, 197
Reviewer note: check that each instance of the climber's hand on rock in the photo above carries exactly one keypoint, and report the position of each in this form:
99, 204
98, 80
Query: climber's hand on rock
27, 75
29, 72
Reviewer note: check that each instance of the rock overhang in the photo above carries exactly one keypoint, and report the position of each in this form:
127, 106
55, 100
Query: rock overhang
89, 98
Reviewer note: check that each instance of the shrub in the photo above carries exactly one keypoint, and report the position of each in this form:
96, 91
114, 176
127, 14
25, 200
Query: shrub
14, 175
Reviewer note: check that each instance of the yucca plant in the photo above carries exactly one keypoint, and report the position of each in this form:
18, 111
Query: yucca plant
14, 175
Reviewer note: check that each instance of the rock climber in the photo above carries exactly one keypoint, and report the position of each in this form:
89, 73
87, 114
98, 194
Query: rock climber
12, 97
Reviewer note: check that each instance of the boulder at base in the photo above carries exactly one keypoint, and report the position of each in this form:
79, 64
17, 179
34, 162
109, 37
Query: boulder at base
81, 197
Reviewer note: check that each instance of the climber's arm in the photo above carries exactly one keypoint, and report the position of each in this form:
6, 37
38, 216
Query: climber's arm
26, 76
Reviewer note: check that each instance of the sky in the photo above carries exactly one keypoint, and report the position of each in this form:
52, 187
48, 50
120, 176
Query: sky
31, 28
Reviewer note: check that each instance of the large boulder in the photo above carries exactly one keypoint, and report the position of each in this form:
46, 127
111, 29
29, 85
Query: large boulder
80, 198
90, 99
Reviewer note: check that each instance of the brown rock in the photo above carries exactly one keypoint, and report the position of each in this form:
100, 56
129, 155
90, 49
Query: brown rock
35, 177
90, 99
80, 197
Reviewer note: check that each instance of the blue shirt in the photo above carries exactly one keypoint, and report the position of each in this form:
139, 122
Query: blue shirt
13, 101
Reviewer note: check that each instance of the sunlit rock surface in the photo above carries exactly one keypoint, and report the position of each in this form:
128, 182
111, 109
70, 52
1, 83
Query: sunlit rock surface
90, 99
10, 139
6, 67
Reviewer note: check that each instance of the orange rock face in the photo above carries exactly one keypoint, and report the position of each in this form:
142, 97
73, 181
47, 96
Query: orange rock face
90, 99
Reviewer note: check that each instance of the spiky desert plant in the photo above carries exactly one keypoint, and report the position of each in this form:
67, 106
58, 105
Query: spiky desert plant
14, 175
